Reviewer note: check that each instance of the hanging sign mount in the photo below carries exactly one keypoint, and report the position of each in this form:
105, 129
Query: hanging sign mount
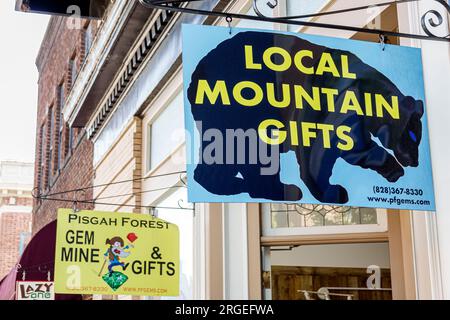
430, 21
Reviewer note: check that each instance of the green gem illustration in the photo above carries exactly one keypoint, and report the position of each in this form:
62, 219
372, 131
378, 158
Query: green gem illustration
115, 279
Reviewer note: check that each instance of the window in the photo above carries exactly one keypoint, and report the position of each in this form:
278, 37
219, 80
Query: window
61, 97
73, 70
70, 141
308, 219
184, 219
42, 149
50, 143
60, 137
163, 132
87, 40
24, 239
61, 123
307, 215
114, 126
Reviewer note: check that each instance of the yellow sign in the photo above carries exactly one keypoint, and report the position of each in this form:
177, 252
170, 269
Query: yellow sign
116, 254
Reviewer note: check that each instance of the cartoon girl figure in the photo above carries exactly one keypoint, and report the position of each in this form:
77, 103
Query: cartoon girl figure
116, 251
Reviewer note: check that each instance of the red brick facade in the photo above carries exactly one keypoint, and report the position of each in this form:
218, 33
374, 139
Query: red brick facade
15, 211
14, 229
25, 202
64, 157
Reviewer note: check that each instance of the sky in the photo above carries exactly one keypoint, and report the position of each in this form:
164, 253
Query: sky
21, 35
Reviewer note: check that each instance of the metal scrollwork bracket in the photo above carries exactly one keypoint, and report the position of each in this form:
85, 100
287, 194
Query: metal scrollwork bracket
434, 14
432, 19
271, 4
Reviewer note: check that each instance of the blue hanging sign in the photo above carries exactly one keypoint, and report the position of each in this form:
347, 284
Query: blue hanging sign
287, 117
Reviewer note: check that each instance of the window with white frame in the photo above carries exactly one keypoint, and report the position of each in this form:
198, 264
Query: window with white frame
308, 215
184, 219
308, 219
164, 132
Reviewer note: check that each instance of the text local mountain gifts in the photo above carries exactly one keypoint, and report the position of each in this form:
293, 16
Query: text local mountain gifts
83, 244
251, 94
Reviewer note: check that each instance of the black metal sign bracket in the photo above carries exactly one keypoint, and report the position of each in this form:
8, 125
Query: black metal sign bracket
432, 19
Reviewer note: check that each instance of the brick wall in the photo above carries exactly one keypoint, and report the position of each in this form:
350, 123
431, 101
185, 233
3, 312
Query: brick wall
77, 173
12, 225
70, 168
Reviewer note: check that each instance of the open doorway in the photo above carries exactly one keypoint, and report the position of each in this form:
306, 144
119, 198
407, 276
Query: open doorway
350, 253
356, 271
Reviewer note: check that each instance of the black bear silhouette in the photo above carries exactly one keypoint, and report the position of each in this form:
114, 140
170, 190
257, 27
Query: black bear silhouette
400, 138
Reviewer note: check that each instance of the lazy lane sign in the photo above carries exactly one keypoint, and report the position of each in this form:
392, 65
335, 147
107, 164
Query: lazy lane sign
35, 290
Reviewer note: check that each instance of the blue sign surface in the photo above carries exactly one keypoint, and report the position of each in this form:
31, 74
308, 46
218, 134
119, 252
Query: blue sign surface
295, 118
